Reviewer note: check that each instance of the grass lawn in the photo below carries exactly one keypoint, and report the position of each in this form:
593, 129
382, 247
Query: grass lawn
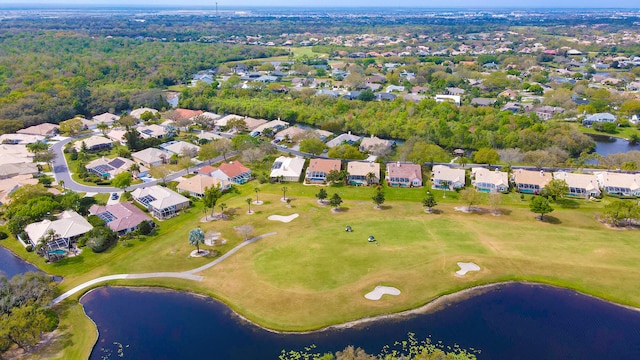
279, 281
621, 132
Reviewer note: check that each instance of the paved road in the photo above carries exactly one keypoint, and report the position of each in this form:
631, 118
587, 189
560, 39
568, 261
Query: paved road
187, 275
61, 171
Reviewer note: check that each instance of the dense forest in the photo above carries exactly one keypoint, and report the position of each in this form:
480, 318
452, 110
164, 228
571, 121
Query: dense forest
52, 76
444, 124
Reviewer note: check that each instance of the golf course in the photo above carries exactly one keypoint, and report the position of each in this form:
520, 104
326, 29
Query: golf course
312, 273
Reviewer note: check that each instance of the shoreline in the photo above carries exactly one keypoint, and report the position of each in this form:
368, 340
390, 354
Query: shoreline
432, 305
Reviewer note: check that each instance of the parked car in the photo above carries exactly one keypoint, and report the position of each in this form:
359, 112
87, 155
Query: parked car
114, 196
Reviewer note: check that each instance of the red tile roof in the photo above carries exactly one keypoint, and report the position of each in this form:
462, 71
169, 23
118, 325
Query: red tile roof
206, 169
233, 168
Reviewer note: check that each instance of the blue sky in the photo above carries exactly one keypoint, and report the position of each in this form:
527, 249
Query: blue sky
352, 3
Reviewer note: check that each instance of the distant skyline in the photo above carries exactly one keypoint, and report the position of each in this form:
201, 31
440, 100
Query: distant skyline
342, 3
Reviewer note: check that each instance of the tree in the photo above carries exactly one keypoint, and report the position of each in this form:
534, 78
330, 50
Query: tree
211, 196
196, 237
486, 156
245, 231
257, 190
248, 201
371, 178
495, 199
366, 95
185, 163
620, 212
25, 325
122, 180
207, 152
146, 227
313, 146
540, 205
36, 147
335, 201
71, 127
135, 169
378, 198
45, 156
103, 127
128, 120
160, 172
321, 195
470, 197
222, 207
555, 189
284, 193
429, 202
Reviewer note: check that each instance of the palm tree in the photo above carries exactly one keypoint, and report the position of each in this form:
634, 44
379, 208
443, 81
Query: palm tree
135, 169
196, 237
284, 193
103, 127
249, 203
370, 177
61, 182
257, 190
222, 207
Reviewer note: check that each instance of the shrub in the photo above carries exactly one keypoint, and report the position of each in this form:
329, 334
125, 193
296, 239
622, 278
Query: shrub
3, 235
29, 248
101, 238
146, 227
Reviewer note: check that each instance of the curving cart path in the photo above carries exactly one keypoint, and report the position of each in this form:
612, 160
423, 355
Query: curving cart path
187, 275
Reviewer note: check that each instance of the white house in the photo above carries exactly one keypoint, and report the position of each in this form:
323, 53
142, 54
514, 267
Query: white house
151, 157
162, 202
580, 185
69, 226
599, 117
619, 184
287, 169
485, 180
444, 177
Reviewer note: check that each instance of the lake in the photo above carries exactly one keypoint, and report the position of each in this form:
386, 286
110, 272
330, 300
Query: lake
11, 265
509, 321
607, 145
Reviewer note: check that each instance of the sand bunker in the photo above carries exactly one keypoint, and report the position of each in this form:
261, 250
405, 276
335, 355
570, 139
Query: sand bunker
377, 293
466, 267
284, 219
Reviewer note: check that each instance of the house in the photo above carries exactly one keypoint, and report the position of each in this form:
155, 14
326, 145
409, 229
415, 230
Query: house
233, 172
151, 157
374, 143
274, 125
21, 139
289, 133
404, 174
138, 112
319, 169
106, 118
444, 177
383, 96
455, 91
181, 148
343, 139
580, 185
14, 154
68, 227
109, 168
287, 169
197, 185
121, 217
208, 136
449, 98
508, 94
11, 184
87, 124
548, 112
485, 180
44, 129
118, 136
619, 184
359, 172
94, 143
152, 131
179, 114
10, 170
599, 117
162, 202
530, 182
395, 88
483, 101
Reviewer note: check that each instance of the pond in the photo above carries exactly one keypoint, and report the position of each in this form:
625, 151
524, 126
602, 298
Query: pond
11, 265
509, 321
607, 145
